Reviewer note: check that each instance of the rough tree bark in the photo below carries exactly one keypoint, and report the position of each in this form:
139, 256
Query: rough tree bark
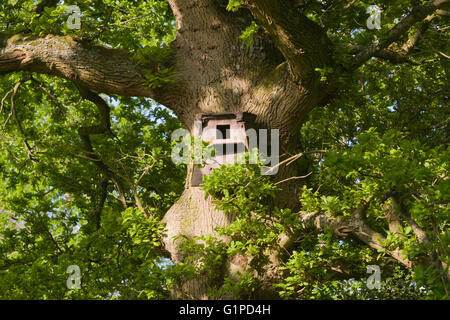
220, 74
274, 79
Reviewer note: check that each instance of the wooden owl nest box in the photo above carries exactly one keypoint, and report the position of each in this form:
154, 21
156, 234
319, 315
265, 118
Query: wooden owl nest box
226, 133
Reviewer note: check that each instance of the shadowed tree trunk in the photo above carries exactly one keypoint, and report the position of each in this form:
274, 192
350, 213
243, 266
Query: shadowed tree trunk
220, 74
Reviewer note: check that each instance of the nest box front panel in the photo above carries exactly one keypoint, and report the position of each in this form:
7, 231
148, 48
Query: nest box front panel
226, 134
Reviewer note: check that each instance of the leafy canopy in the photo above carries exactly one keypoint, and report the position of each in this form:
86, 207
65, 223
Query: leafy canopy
384, 137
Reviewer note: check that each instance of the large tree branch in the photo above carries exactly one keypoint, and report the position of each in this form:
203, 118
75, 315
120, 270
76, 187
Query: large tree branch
390, 54
98, 68
354, 225
417, 14
396, 55
409, 45
432, 255
302, 42
102, 195
103, 127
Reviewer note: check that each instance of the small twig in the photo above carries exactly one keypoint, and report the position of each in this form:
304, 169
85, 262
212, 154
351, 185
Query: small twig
10, 114
292, 178
291, 159
19, 124
51, 95
144, 172
444, 55
4, 99
104, 27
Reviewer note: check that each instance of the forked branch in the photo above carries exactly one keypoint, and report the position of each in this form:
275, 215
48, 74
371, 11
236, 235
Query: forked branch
417, 14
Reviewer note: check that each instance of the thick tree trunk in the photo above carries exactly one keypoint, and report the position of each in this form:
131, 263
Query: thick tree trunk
213, 72
220, 74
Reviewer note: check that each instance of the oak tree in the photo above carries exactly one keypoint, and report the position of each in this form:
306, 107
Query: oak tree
92, 90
